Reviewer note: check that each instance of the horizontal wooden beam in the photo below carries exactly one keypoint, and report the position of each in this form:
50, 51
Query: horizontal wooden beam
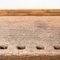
35, 12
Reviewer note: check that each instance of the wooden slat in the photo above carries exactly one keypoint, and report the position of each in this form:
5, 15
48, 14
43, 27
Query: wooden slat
29, 37
37, 12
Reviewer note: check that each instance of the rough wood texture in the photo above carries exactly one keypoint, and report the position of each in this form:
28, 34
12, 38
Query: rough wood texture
29, 37
41, 12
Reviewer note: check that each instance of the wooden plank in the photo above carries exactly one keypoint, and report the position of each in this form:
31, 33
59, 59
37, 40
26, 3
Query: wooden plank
36, 12
29, 37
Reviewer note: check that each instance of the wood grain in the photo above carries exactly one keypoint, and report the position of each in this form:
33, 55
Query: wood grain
29, 37
36, 12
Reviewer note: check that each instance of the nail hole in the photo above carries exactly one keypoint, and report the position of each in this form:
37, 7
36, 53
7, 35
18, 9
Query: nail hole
39, 47
57, 47
20, 47
3, 47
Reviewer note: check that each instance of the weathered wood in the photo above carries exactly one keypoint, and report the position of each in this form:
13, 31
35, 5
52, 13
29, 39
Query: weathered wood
29, 37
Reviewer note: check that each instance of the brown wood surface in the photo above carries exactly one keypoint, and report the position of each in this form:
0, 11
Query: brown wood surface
36, 12
29, 37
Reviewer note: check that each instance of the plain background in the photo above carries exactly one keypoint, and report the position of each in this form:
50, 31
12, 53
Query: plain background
29, 4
